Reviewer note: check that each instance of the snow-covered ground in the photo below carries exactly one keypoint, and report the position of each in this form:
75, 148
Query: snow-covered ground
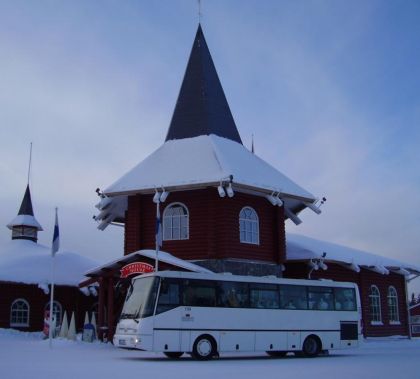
26, 355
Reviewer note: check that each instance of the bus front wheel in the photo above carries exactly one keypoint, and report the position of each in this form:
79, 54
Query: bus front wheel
311, 346
204, 348
173, 354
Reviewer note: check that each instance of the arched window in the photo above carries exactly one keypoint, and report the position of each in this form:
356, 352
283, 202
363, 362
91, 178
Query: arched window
57, 311
175, 222
393, 305
19, 313
375, 305
249, 230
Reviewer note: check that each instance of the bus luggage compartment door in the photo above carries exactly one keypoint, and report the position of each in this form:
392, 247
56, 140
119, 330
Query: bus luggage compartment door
237, 341
293, 340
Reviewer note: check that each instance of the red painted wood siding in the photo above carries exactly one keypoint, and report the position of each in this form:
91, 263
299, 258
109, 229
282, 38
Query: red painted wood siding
364, 280
70, 298
213, 226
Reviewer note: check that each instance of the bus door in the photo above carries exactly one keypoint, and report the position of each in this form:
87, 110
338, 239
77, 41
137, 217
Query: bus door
167, 321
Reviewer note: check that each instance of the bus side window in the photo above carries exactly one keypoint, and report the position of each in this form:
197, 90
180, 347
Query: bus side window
345, 299
264, 296
293, 297
320, 298
199, 293
168, 296
232, 295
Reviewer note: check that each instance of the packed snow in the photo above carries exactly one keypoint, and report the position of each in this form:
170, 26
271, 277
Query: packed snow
300, 247
26, 355
204, 160
24, 261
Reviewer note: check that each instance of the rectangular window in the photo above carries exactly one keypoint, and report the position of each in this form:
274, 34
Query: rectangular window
199, 293
293, 297
345, 299
232, 295
320, 298
264, 296
169, 295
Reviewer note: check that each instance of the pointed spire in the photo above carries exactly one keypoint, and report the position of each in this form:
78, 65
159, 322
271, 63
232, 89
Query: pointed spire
26, 206
25, 225
202, 108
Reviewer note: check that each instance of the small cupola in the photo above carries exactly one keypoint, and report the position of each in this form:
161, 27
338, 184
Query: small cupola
24, 225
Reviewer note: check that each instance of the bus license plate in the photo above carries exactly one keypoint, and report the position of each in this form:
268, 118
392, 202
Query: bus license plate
122, 342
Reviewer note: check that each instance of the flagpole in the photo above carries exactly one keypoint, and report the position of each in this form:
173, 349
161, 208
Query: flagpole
50, 325
157, 235
54, 248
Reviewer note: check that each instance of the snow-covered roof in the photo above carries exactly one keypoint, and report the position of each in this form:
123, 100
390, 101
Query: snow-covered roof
25, 220
132, 257
205, 160
301, 248
23, 261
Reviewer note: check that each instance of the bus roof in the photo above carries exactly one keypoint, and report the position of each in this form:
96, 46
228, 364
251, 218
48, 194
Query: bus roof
249, 279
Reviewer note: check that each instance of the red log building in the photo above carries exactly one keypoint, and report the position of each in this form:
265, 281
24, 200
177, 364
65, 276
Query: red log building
25, 272
225, 209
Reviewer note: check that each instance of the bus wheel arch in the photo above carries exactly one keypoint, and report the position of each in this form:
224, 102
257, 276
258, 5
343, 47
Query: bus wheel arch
311, 346
204, 348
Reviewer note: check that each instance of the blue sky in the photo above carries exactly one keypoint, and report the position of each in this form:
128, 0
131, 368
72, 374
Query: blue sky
330, 90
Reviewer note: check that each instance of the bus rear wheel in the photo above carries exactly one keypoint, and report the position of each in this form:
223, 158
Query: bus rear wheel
204, 348
311, 346
173, 354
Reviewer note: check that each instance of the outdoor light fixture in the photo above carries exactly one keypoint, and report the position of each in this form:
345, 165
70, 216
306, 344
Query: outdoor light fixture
156, 197
271, 199
229, 190
104, 203
221, 191
160, 197
313, 265
164, 195
322, 265
295, 219
274, 199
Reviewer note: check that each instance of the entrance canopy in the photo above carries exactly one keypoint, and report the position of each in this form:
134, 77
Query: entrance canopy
113, 268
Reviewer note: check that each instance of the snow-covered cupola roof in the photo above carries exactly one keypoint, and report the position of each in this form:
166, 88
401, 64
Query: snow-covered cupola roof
25, 215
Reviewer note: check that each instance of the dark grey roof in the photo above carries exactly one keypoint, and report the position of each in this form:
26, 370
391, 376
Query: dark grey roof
26, 206
201, 108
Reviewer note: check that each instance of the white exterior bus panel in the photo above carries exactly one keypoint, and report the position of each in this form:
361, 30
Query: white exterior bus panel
242, 329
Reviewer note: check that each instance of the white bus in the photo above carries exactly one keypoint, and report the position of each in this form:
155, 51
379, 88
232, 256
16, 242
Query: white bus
207, 314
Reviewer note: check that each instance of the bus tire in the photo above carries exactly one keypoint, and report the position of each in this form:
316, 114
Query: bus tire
311, 346
204, 348
277, 353
173, 354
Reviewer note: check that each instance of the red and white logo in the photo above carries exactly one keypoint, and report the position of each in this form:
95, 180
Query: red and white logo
136, 268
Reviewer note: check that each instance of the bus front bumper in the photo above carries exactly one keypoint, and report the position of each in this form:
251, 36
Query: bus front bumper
127, 341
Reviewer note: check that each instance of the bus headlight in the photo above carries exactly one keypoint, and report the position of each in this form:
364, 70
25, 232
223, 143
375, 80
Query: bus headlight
135, 340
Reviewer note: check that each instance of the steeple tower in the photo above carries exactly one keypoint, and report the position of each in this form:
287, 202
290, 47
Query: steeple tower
24, 225
202, 108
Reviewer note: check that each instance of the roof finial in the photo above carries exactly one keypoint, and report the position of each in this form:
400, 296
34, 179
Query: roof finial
252, 144
30, 162
199, 11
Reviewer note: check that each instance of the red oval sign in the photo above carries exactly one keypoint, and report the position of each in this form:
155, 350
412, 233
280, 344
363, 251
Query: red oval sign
136, 268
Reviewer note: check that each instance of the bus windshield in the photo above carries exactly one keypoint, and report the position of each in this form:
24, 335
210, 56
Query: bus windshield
140, 299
